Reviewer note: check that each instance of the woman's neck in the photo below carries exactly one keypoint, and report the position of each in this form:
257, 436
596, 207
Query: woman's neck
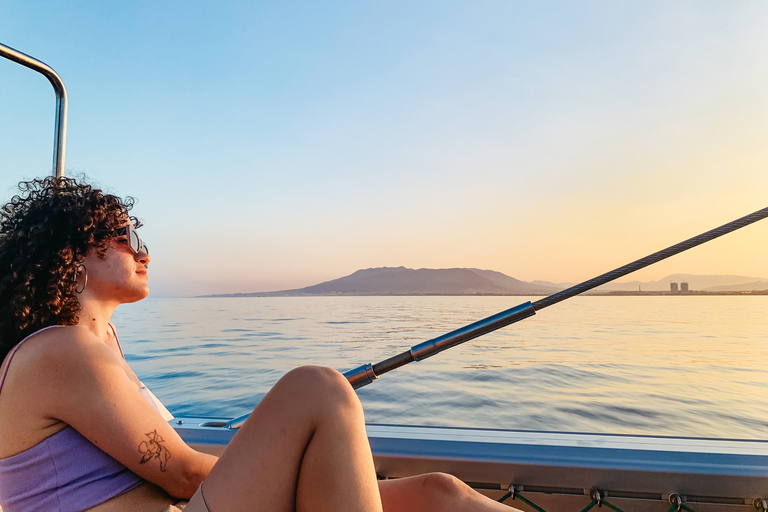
95, 318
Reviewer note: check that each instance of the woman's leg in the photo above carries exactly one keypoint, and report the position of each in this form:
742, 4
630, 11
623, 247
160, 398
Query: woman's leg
435, 492
303, 448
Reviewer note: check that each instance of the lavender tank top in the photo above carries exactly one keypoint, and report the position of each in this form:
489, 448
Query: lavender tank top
63, 473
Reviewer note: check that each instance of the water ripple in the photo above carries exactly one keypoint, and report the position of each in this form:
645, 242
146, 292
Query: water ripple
635, 365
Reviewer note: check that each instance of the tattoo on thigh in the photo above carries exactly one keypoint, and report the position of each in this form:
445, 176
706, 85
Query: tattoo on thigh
154, 449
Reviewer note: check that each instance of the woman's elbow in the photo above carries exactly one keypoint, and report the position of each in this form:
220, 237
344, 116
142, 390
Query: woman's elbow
183, 486
185, 481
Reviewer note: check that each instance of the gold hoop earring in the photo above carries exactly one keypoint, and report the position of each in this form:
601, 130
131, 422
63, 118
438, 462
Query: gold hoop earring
85, 281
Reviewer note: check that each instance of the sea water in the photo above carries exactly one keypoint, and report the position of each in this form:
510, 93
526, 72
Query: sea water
658, 365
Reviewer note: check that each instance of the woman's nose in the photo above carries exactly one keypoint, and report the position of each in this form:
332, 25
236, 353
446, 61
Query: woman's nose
143, 257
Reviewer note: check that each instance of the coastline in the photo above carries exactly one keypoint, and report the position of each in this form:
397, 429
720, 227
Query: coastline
588, 294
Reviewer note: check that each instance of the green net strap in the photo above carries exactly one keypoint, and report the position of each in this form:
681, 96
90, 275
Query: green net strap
594, 502
523, 499
611, 506
682, 507
529, 502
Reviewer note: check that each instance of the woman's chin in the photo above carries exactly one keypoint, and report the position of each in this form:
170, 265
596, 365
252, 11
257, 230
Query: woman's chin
140, 294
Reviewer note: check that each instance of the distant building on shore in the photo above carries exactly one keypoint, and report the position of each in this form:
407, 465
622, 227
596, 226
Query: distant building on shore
673, 289
684, 288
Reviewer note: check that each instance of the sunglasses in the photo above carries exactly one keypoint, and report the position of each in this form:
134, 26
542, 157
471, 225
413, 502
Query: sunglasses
134, 242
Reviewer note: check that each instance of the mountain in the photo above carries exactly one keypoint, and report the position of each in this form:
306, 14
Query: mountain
423, 281
473, 281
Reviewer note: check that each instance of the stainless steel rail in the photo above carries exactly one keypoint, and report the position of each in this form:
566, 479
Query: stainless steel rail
60, 129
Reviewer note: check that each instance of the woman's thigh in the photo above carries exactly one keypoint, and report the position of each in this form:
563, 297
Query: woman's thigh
434, 492
292, 428
147, 497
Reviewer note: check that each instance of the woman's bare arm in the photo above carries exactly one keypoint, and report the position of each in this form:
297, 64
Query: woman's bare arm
80, 381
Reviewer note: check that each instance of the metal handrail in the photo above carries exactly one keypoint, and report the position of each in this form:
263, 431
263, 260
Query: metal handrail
60, 129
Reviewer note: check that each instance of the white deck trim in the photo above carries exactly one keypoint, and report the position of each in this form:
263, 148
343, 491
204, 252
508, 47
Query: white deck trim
609, 441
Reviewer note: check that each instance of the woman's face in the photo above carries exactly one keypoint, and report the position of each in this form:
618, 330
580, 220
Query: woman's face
122, 275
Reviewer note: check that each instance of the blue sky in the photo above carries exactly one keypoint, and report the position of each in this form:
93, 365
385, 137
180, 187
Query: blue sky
274, 145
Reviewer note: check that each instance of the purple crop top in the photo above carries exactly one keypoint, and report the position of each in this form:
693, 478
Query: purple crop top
63, 473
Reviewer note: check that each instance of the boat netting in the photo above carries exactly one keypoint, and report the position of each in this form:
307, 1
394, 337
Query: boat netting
597, 500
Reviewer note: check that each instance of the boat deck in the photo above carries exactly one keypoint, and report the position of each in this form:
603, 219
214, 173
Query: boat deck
559, 471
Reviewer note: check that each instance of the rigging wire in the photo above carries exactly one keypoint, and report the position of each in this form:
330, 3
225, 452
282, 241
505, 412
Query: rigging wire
367, 373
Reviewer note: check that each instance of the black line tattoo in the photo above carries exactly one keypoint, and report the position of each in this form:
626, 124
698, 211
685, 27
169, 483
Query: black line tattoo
154, 449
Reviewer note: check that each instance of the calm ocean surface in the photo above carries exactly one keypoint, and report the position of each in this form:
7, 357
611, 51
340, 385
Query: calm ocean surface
690, 366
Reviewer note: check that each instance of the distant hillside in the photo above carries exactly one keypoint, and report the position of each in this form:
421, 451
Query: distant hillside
473, 281
695, 282
423, 281
745, 287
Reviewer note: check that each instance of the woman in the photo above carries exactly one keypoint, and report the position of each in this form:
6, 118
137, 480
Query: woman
79, 431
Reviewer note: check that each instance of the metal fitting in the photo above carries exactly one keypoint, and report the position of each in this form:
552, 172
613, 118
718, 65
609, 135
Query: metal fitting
675, 499
361, 375
760, 504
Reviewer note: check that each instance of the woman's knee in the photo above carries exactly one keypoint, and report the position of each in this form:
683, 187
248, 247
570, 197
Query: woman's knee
318, 384
442, 486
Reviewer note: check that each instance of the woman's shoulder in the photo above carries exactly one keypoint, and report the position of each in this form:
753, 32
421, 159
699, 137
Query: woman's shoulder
57, 335
57, 366
60, 346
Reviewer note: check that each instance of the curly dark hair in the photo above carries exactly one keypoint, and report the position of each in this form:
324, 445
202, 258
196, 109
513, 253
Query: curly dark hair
45, 233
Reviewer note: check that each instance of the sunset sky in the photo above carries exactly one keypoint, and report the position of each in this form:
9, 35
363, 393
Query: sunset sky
275, 145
